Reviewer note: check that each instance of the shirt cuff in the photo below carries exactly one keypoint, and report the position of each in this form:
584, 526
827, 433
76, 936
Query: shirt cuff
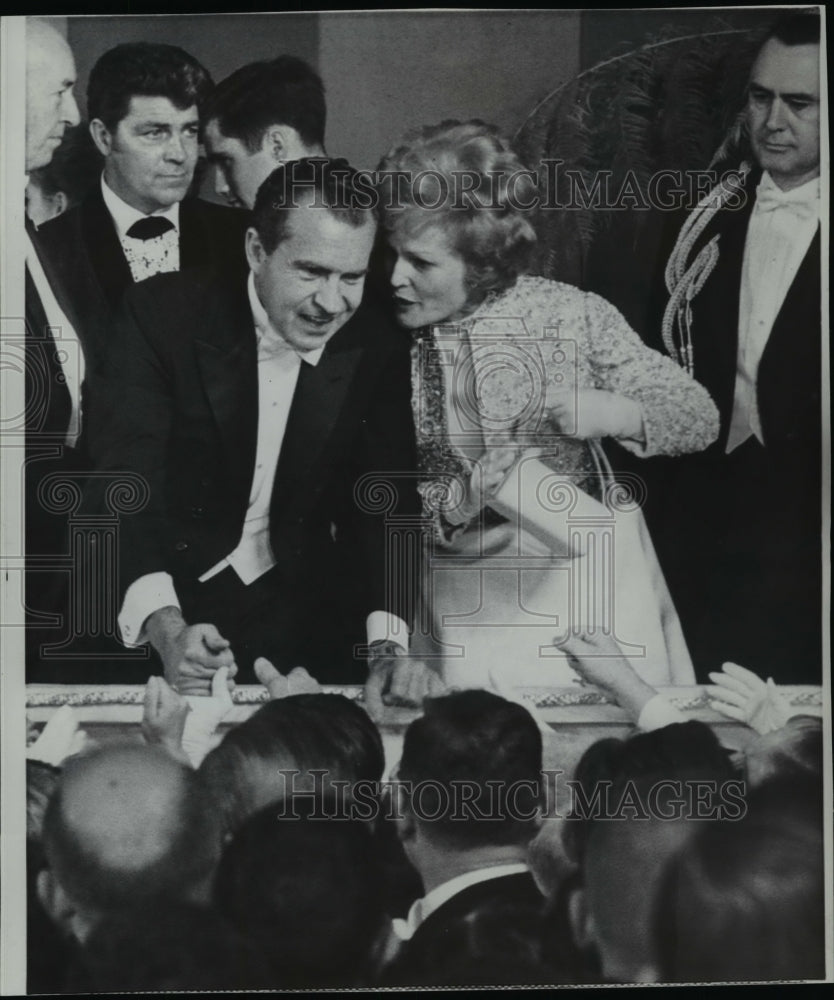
144, 596
383, 625
657, 713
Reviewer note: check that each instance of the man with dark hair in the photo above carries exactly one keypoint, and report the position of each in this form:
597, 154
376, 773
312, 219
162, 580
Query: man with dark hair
738, 528
128, 824
167, 947
745, 900
469, 805
262, 115
304, 884
283, 746
258, 410
143, 104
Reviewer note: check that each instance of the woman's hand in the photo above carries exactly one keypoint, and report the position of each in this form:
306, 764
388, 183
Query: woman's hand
742, 695
595, 413
488, 473
598, 660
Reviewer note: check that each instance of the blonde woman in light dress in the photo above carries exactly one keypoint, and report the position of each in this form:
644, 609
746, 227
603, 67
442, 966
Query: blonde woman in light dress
516, 379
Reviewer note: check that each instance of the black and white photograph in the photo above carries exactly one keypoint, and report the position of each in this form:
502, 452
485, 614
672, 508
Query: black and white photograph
415, 482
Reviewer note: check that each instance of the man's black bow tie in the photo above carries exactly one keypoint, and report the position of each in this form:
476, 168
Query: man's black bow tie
150, 227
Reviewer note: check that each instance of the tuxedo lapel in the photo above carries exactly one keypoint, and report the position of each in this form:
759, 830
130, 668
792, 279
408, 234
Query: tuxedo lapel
792, 357
107, 258
55, 282
800, 311
228, 365
45, 383
195, 241
715, 334
319, 396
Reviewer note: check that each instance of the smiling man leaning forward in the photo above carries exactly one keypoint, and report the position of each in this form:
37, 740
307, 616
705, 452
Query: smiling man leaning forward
254, 408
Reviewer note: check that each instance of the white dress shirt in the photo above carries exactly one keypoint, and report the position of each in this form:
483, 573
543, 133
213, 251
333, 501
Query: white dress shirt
145, 257
782, 226
70, 353
279, 365
423, 908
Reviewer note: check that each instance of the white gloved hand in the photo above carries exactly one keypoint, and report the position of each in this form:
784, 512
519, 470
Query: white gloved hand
61, 738
205, 716
740, 694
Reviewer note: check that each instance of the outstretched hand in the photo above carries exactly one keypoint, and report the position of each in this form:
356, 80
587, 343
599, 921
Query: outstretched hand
598, 659
395, 678
297, 681
163, 716
740, 694
60, 738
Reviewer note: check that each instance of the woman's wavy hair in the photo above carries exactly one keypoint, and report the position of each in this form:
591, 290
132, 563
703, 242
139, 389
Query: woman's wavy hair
465, 177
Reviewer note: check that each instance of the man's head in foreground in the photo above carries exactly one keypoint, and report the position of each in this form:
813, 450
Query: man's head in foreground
126, 824
471, 785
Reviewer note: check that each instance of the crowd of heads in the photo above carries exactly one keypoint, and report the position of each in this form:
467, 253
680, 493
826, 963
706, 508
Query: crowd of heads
284, 860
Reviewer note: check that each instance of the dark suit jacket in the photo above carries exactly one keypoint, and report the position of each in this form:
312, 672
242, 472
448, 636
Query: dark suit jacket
84, 251
50, 399
790, 419
48, 412
177, 401
441, 940
739, 534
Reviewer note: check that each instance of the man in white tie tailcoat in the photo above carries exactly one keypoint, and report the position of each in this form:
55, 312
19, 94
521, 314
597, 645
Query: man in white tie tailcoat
738, 528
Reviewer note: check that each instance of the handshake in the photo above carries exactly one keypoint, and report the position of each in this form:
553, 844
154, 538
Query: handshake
193, 657
184, 725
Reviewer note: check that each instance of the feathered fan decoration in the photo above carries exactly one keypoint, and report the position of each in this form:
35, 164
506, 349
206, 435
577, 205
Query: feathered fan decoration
667, 105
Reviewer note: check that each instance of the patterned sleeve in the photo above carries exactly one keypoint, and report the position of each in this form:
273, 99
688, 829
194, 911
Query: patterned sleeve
679, 415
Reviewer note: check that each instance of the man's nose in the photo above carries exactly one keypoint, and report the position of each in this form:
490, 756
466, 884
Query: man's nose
776, 115
329, 296
221, 185
69, 109
175, 149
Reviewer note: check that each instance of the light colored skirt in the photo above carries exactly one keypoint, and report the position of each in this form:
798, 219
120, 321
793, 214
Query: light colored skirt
499, 600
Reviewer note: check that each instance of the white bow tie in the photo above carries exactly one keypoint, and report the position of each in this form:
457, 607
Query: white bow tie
270, 345
802, 205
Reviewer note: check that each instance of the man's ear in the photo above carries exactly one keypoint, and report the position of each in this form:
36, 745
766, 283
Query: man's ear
580, 920
60, 203
283, 143
57, 905
102, 136
255, 253
404, 819
275, 143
